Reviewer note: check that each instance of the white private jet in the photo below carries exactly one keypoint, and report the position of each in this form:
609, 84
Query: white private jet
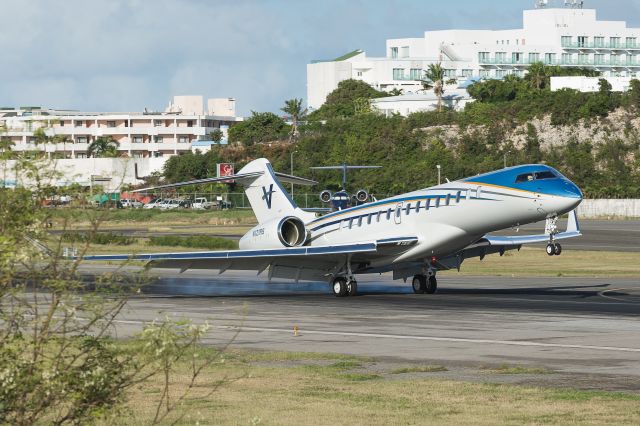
411, 235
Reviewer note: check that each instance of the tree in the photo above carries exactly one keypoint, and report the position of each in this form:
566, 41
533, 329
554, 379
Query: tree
103, 147
260, 127
634, 94
293, 107
537, 76
435, 78
345, 99
216, 135
604, 87
396, 92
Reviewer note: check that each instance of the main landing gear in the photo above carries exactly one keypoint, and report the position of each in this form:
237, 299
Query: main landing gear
424, 284
554, 249
343, 287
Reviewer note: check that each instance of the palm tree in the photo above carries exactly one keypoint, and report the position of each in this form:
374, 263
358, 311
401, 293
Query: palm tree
434, 78
293, 107
103, 147
537, 75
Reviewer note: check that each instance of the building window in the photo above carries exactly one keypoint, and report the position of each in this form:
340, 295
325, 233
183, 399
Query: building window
448, 73
519, 73
111, 124
81, 139
415, 74
517, 57
61, 123
189, 123
483, 56
137, 155
583, 41
614, 41
566, 41
567, 59
485, 73
158, 139
583, 59
81, 155
598, 41
394, 52
79, 123
550, 58
157, 154
534, 57
183, 139
398, 74
599, 59
467, 73
137, 139
631, 43
359, 73
501, 73
158, 123
501, 57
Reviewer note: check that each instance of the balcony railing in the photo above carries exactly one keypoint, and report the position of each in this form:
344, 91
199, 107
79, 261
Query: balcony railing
601, 45
565, 62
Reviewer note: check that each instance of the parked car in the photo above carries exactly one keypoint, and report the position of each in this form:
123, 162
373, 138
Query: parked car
153, 204
169, 204
185, 204
131, 203
201, 203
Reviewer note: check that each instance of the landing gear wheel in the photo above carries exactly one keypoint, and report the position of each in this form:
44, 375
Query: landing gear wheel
551, 249
419, 284
339, 287
352, 288
557, 249
432, 285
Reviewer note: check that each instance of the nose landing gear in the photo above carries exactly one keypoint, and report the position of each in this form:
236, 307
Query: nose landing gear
551, 228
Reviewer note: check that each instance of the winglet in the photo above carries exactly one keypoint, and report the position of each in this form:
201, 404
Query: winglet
573, 225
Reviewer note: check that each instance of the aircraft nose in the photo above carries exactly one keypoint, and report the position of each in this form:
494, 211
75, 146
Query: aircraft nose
571, 190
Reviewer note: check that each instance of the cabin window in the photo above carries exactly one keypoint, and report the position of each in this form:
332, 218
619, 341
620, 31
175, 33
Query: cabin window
350, 223
545, 175
428, 204
378, 217
418, 206
398, 211
360, 221
438, 202
527, 177
448, 199
369, 219
458, 195
389, 214
408, 209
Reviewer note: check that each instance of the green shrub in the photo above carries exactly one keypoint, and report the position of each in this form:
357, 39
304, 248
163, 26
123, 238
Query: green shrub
98, 238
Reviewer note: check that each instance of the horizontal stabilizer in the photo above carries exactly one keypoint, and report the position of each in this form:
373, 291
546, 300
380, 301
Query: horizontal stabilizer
240, 178
295, 179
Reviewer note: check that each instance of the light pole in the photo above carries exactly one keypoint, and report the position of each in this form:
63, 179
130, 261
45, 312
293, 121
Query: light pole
438, 166
292, 152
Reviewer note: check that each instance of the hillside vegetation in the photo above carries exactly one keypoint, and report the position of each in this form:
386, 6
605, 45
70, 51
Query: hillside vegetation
593, 138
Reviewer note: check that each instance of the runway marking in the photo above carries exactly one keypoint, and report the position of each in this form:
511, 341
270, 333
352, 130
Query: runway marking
427, 338
602, 294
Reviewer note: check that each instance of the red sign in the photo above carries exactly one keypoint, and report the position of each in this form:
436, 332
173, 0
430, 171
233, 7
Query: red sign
225, 169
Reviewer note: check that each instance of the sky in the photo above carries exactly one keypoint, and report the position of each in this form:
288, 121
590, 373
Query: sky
127, 55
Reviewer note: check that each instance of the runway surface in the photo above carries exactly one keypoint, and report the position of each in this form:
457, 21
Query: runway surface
584, 329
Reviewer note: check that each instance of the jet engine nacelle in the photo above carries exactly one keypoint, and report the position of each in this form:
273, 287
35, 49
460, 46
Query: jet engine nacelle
282, 232
325, 196
362, 196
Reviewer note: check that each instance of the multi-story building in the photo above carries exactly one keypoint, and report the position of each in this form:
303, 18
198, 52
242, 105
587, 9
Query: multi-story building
568, 36
139, 135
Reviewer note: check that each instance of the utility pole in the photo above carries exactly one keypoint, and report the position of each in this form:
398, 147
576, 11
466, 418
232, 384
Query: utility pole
292, 152
438, 166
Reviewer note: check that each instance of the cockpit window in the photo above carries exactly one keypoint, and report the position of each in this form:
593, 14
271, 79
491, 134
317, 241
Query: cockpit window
528, 177
545, 175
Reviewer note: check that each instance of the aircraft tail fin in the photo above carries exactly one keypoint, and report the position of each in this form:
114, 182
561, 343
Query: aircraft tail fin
267, 196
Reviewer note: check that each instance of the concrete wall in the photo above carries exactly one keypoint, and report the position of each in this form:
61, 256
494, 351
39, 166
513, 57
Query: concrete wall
590, 209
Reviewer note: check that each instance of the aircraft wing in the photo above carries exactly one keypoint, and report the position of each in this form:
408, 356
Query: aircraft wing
309, 263
490, 244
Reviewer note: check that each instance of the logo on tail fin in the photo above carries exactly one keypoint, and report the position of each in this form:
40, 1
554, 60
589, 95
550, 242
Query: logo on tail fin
267, 195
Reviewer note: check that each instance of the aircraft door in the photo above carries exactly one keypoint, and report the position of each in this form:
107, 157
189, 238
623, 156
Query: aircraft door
397, 214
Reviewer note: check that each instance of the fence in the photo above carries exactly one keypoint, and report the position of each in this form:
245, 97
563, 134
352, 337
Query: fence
626, 208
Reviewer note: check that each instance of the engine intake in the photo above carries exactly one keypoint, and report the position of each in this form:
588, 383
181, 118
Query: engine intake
292, 232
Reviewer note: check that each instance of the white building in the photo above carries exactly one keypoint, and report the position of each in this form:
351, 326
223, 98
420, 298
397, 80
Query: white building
590, 84
406, 104
567, 36
139, 135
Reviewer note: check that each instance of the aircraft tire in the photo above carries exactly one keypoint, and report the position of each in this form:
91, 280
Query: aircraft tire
352, 288
551, 250
339, 287
419, 284
557, 249
432, 285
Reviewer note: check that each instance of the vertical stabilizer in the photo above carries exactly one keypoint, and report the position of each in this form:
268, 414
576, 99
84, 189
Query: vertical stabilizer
267, 196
